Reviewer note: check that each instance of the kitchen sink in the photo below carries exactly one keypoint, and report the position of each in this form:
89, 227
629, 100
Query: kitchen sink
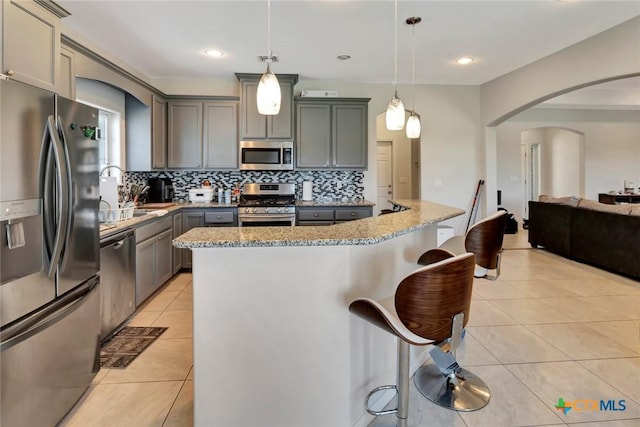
141, 212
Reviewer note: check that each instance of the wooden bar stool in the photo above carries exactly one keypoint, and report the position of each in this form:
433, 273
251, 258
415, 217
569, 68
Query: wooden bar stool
484, 239
430, 306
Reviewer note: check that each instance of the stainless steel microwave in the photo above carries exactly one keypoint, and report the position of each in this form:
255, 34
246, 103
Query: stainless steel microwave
266, 155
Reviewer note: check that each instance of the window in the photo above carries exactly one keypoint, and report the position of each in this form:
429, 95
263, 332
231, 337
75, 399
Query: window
109, 142
110, 103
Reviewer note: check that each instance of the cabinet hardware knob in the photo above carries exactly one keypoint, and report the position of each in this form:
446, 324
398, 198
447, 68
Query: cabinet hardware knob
315, 215
10, 73
353, 214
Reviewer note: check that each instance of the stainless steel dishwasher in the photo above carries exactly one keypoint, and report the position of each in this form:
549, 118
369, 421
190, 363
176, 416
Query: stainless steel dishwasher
117, 280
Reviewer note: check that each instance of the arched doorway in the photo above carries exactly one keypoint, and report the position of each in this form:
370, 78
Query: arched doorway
552, 163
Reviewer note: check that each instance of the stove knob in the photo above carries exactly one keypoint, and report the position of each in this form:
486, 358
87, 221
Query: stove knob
255, 210
266, 210
286, 209
246, 210
280, 209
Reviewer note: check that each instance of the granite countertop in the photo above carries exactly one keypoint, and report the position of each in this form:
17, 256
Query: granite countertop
419, 214
107, 229
334, 203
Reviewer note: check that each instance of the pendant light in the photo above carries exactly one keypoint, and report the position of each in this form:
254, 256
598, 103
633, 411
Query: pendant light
395, 109
413, 122
268, 96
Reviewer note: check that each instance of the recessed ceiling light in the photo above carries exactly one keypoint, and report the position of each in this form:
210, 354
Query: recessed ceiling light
214, 53
344, 57
464, 60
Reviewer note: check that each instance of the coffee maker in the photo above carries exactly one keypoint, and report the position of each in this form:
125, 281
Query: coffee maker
160, 190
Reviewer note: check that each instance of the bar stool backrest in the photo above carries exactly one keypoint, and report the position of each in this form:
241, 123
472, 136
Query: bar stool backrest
485, 238
427, 299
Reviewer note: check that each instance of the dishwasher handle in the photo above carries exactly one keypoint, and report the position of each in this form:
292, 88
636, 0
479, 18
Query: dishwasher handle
118, 239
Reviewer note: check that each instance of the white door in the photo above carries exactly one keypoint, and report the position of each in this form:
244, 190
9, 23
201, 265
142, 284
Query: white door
385, 175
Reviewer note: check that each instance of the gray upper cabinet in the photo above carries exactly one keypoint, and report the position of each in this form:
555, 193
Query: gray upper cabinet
221, 135
31, 42
331, 133
313, 135
185, 134
67, 74
203, 133
349, 135
254, 125
146, 133
158, 133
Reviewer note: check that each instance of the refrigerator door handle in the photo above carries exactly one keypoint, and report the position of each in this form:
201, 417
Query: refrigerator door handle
53, 314
46, 192
67, 210
61, 226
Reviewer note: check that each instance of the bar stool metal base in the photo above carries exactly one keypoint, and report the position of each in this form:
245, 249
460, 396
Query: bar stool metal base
460, 390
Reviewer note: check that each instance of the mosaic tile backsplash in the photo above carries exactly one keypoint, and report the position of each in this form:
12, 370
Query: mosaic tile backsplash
327, 185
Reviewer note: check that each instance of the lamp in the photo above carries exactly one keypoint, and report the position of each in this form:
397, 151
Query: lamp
395, 109
413, 122
268, 96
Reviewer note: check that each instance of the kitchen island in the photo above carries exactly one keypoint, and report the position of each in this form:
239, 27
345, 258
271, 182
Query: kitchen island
274, 342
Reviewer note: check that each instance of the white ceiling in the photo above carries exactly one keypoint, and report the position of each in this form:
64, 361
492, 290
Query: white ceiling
166, 39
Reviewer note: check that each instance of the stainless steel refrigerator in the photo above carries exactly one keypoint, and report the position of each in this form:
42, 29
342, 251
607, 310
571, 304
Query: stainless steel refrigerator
49, 254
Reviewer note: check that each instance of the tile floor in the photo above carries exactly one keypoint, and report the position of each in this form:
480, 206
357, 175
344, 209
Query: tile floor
548, 328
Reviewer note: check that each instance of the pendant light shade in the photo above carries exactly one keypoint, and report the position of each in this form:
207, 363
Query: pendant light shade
395, 114
413, 127
395, 110
268, 96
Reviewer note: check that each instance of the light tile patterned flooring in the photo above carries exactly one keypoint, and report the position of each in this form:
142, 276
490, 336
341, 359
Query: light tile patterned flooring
548, 328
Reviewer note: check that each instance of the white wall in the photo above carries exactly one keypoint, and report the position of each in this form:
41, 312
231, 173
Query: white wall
451, 134
563, 162
401, 146
611, 149
605, 56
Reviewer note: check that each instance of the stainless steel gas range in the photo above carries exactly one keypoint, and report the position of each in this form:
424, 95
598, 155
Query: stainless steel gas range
267, 204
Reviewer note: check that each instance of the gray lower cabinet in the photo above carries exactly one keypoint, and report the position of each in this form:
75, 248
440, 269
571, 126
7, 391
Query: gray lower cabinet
254, 125
154, 253
177, 231
213, 217
331, 215
331, 133
315, 216
344, 214
190, 219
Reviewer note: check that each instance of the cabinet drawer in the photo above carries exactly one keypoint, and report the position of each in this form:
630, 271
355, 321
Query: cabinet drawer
315, 215
155, 227
349, 214
218, 217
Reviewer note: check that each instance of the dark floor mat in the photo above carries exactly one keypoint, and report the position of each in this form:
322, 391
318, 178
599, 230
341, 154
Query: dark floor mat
126, 345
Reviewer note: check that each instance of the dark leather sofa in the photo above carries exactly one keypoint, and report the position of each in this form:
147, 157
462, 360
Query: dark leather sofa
607, 240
